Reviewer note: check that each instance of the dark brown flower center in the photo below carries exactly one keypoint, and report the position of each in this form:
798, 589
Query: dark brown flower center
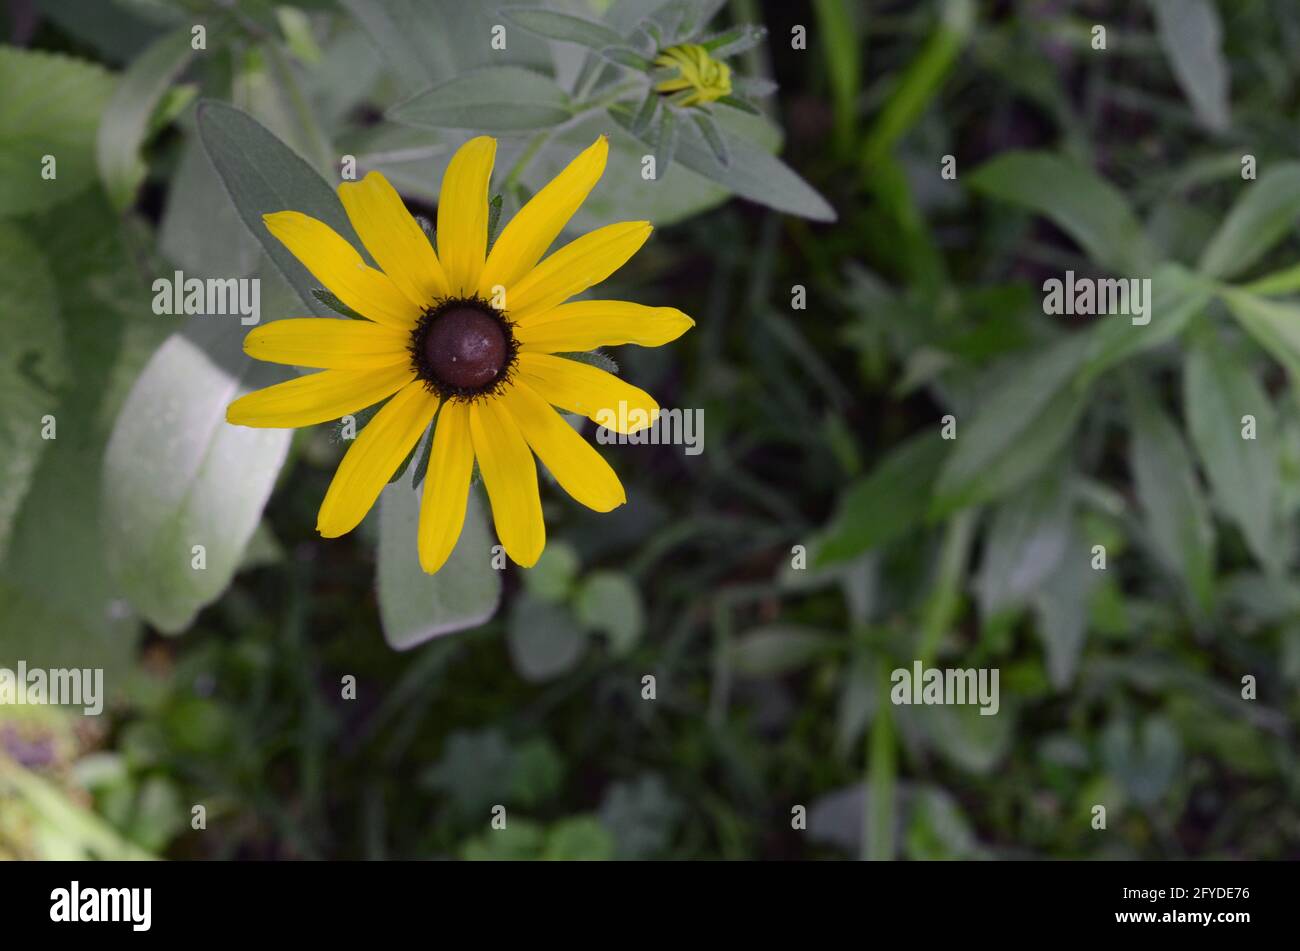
462, 348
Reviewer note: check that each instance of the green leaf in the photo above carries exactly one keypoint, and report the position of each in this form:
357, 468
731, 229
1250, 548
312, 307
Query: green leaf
494, 219
1089, 209
521, 840
713, 135
1018, 427
578, 839
1169, 494
475, 768
177, 475
295, 26
1026, 541
887, 504
776, 649
1192, 37
754, 87
1060, 606
201, 231
735, 41
32, 369
859, 698
552, 578
1277, 284
563, 27
62, 822
1145, 765
647, 35
645, 113
937, 829
593, 358
113, 29
421, 468
622, 194
608, 601
1274, 324
51, 106
545, 640
174, 102
918, 84
623, 56
965, 737
664, 140
60, 605
263, 175
433, 40
641, 815
1177, 296
327, 297
536, 773
125, 121
414, 606
753, 172
493, 99
1219, 390
425, 439
677, 18
1259, 219
266, 87
744, 106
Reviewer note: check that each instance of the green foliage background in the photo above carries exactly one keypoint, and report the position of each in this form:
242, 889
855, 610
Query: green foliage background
1120, 687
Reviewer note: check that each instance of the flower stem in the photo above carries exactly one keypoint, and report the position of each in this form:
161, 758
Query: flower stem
882, 769
529, 153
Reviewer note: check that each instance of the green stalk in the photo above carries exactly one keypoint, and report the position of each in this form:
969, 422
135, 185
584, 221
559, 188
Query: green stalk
882, 770
530, 152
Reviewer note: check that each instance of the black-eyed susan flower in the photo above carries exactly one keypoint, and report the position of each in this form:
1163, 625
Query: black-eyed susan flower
466, 335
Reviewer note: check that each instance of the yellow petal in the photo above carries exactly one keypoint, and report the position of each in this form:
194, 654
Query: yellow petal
673, 85
588, 324
580, 264
580, 469
338, 266
446, 486
463, 214
588, 391
510, 476
375, 455
394, 239
332, 343
529, 233
317, 398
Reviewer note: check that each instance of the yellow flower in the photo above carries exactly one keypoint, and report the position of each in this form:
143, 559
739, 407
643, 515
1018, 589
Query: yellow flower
707, 78
470, 332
